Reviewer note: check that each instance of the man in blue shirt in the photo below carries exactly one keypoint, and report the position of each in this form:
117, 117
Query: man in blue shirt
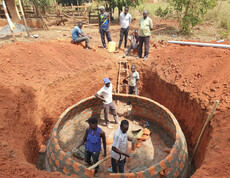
104, 21
78, 36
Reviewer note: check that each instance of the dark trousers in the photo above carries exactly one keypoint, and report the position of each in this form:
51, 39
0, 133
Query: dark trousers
94, 155
104, 32
81, 39
118, 166
124, 31
141, 41
131, 91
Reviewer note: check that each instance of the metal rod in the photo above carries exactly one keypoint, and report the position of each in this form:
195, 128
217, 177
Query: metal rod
204, 128
201, 44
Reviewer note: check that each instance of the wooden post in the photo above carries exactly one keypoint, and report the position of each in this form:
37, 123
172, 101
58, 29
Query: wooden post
24, 19
204, 128
23, 7
12, 27
43, 22
73, 13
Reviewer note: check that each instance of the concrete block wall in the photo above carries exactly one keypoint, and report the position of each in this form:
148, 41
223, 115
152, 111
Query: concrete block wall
174, 165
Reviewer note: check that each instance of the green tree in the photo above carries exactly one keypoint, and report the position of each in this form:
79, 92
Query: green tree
189, 12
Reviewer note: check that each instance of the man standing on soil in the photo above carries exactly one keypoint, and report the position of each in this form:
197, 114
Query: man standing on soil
125, 20
104, 22
107, 98
78, 36
145, 26
92, 140
119, 148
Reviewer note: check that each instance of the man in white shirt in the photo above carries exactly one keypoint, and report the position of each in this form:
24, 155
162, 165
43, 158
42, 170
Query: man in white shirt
133, 80
125, 20
119, 148
105, 94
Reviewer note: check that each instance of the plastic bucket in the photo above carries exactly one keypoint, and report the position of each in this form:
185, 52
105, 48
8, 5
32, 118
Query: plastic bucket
112, 47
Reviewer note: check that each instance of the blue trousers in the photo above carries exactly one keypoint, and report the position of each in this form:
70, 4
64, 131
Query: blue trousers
104, 32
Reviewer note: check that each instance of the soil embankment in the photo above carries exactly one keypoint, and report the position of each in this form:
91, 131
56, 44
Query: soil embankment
40, 80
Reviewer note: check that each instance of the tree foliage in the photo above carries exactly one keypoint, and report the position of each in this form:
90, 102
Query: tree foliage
122, 3
189, 12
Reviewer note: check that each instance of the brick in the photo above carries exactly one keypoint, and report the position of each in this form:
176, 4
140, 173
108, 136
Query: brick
54, 140
50, 147
74, 175
163, 165
88, 172
50, 161
68, 161
52, 156
65, 170
174, 150
184, 157
61, 155
176, 173
56, 148
176, 163
115, 175
57, 163
169, 158
42, 149
169, 170
152, 170
76, 167
129, 175
181, 166
140, 174
54, 134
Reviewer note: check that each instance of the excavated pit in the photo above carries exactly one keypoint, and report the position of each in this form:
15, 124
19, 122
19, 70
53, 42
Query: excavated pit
177, 101
61, 92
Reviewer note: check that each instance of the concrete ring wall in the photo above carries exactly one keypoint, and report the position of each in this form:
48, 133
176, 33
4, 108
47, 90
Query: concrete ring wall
174, 165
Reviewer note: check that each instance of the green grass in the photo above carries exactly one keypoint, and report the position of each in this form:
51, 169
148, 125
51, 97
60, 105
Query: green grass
220, 18
150, 7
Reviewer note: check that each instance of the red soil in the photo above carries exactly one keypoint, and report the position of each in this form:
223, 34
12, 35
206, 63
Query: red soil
40, 80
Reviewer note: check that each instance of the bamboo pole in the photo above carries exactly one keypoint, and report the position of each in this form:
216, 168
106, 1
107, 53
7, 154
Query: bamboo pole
204, 128
12, 27
24, 19
99, 162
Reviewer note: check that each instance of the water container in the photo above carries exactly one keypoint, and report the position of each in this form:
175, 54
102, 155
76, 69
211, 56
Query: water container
112, 47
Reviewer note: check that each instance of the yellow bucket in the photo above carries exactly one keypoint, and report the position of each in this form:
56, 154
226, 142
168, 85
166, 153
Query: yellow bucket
112, 47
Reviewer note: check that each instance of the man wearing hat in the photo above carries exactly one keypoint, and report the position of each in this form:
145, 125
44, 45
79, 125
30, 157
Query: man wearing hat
104, 22
105, 94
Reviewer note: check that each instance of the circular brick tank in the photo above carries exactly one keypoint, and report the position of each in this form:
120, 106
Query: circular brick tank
174, 165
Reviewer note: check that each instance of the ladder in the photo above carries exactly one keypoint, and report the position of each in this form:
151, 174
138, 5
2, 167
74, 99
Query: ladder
122, 74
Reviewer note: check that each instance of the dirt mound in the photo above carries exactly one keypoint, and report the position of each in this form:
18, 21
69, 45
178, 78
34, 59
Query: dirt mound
40, 80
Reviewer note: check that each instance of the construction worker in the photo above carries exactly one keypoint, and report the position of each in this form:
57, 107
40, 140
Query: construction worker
105, 94
145, 26
104, 22
134, 43
119, 148
92, 141
133, 80
78, 36
125, 20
